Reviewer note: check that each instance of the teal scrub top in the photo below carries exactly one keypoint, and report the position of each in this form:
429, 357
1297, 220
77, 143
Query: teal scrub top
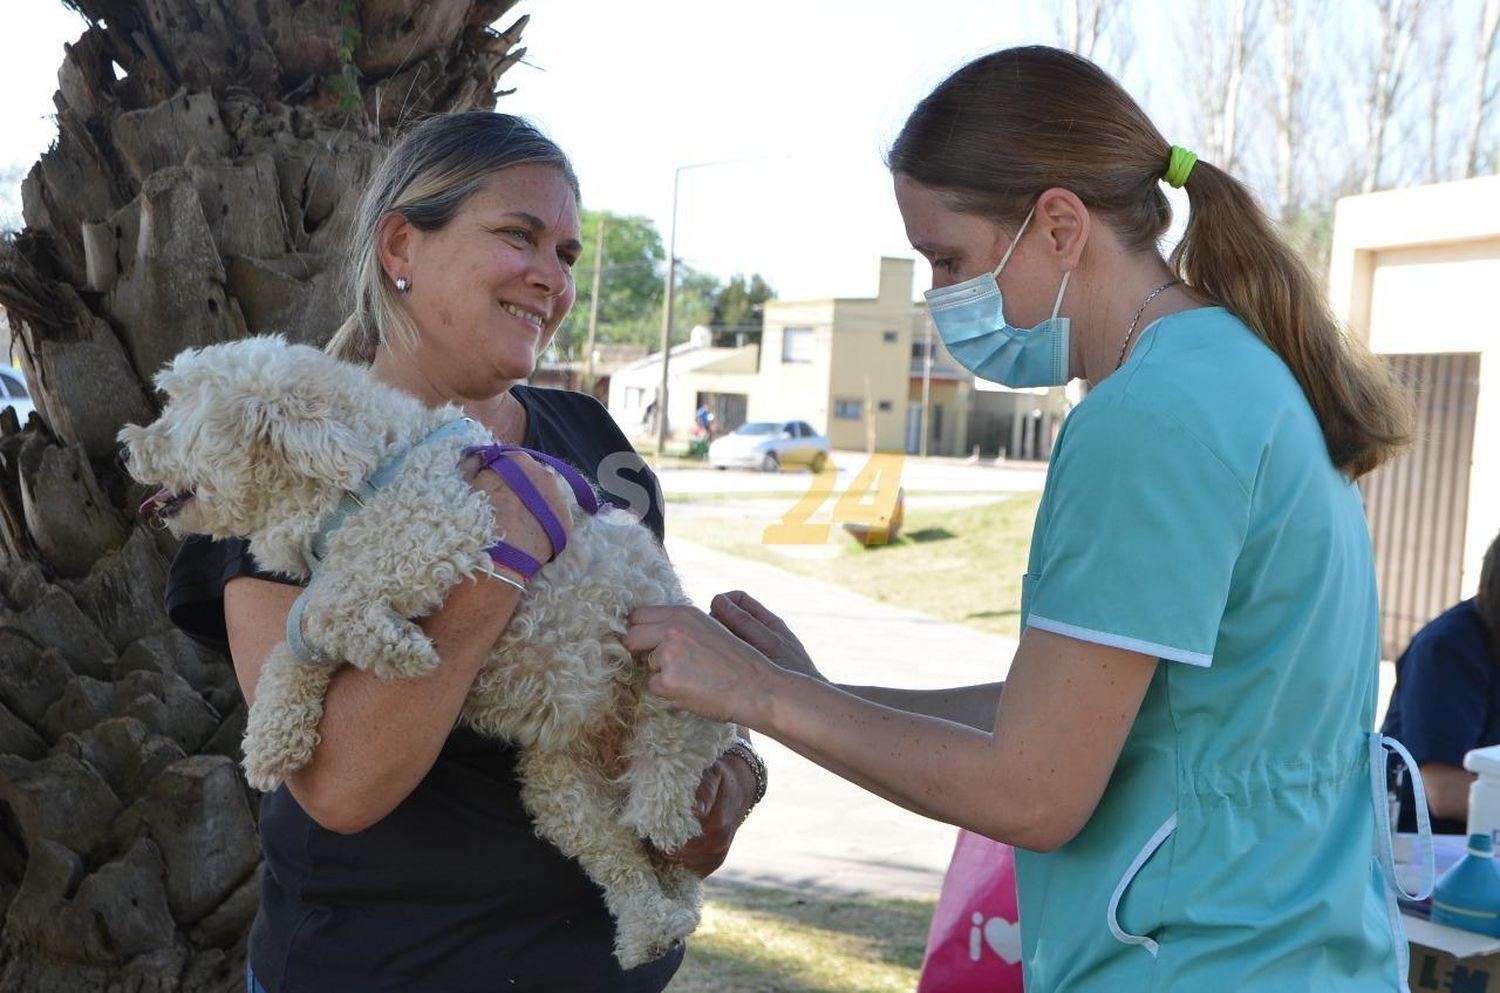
1192, 513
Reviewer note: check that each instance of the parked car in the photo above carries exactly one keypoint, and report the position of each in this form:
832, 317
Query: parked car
13, 393
769, 445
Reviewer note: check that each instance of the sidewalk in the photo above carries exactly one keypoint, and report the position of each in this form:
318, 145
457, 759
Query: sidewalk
814, 831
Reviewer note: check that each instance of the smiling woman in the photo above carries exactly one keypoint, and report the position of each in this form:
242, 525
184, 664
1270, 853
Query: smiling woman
492, 284
401, 855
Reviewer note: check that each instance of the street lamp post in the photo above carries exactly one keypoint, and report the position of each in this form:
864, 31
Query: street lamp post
588, 374
666, 321
926, 386
666, 316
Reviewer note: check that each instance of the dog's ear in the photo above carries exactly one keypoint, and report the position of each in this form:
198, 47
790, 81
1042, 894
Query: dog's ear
177, 375
304, 433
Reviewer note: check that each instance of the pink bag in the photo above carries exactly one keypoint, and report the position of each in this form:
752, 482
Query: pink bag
974, 945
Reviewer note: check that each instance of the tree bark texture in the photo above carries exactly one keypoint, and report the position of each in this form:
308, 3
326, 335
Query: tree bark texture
210, 155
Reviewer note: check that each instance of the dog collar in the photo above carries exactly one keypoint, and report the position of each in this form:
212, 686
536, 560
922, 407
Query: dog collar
371, 485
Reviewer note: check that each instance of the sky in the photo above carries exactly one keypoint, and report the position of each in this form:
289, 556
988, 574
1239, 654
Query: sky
793, 101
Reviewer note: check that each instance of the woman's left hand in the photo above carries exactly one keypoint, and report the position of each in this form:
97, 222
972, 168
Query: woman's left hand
722, 802
699, 665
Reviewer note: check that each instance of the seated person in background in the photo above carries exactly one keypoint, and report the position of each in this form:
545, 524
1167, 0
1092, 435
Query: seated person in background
1447, 700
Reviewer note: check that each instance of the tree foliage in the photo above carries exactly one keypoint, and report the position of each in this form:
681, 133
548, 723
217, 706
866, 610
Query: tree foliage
741, 304
632, 285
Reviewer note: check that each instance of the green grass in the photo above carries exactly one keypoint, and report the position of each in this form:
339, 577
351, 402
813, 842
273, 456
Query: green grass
960, 564
755, 940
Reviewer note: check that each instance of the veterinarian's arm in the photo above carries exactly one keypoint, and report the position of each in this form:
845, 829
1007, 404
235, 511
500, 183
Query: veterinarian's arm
1034, 782
380, 737
757, 626
971, 706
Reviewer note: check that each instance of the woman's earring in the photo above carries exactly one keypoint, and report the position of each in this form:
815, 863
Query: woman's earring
403, 285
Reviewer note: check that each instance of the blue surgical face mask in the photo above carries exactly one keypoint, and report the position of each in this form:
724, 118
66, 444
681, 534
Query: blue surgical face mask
970, 318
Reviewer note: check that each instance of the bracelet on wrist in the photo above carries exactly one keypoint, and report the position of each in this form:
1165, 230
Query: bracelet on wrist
747, 754
504, 575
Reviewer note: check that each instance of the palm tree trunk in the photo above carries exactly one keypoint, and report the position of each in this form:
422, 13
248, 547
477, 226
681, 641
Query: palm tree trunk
209, 157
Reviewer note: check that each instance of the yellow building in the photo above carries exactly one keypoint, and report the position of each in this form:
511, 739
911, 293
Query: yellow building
859, 366
1412, 273
841, 364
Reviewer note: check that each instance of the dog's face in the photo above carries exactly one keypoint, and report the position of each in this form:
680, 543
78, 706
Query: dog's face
252, 431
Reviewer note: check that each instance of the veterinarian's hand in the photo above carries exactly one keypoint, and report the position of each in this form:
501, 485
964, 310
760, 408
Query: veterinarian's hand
700, 666
749, 620
723, 800
513, 521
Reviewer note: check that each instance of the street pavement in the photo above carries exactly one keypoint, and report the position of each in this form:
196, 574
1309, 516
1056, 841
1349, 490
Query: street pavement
815, 832
929, 475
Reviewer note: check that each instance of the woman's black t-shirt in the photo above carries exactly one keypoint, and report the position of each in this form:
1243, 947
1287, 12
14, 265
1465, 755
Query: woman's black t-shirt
452, 892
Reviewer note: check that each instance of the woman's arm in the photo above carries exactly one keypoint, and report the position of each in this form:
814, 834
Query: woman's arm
972, 706
1447, 788
379, 737
750, 621
1068, 707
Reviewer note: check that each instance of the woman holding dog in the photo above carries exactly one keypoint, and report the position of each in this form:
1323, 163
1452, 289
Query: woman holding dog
400, 858
1182, 753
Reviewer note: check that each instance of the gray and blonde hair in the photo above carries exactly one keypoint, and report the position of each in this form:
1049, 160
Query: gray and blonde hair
426, 177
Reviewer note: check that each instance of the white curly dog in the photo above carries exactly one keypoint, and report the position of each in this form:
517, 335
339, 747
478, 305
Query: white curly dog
261, 439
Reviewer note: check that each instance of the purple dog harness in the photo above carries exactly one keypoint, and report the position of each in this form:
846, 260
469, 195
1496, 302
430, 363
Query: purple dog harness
496, 458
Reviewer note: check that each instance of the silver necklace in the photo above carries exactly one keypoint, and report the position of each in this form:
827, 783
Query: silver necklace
1125, 346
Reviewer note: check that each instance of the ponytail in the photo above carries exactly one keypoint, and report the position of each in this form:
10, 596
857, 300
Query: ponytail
1232, 255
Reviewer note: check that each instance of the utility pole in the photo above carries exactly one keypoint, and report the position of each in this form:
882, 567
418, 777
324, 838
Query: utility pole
666, 323
588, 358
926, 386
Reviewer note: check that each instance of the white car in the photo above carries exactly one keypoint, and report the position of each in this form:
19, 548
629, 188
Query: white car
769, 445
13, 393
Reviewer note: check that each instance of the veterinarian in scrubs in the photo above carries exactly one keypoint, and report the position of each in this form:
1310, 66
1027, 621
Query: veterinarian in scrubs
401, 858
1182, 753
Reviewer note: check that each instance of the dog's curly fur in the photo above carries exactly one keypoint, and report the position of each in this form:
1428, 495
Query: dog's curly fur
261, 439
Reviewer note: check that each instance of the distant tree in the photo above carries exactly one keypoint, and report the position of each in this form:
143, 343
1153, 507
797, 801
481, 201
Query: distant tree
10, 208
695, 301
1398, 31
1290, 110
741, 303
1220, 47
1099, 30
630, 286
1437, 165
1482, 101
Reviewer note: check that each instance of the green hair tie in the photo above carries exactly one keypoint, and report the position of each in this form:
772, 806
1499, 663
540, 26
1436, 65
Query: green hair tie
1179, 166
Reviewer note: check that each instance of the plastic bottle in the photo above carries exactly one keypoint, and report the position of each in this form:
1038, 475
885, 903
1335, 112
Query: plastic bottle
1484, 793
1468, 895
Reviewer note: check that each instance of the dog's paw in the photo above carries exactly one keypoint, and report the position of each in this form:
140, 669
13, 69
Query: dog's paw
396, 648
645, 934
270, 758
668, 823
